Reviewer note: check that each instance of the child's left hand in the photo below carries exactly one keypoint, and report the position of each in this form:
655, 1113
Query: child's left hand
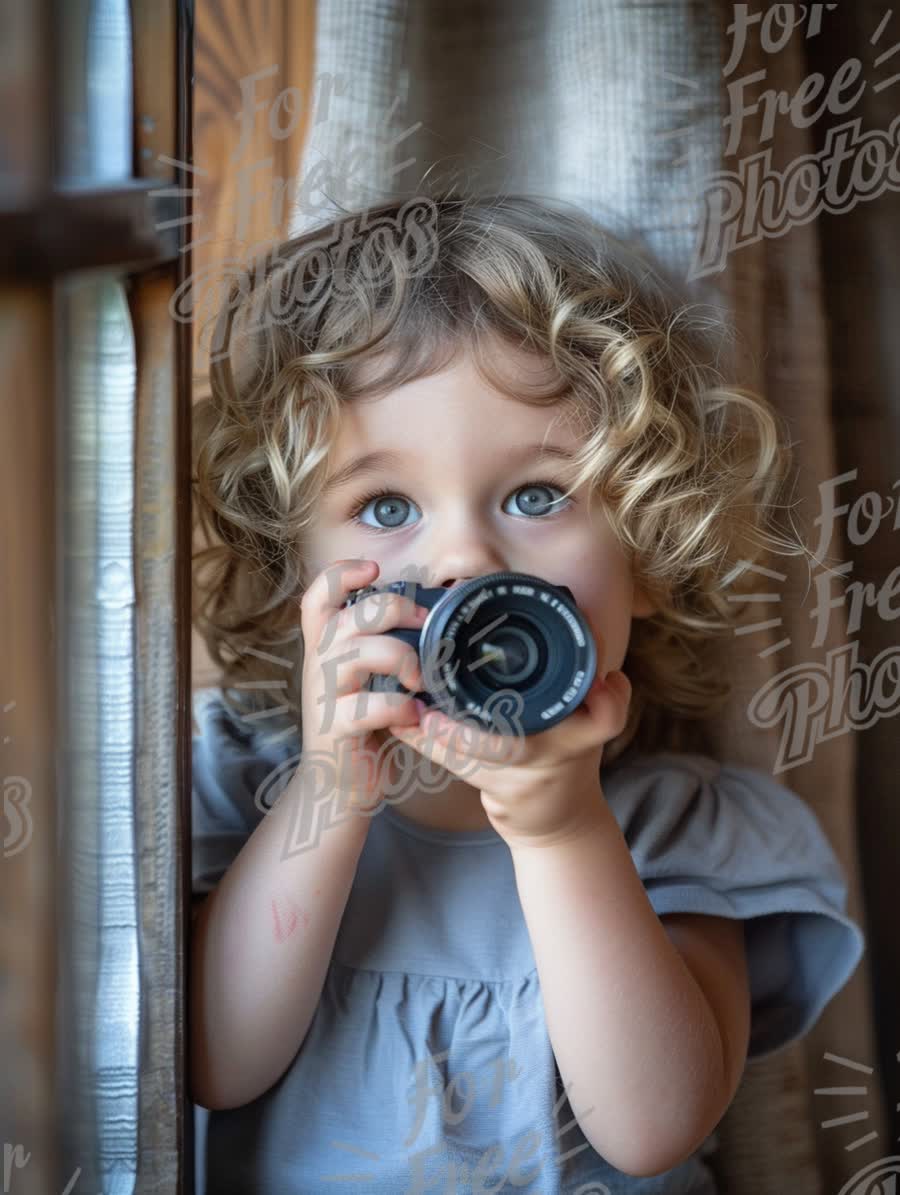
536, 789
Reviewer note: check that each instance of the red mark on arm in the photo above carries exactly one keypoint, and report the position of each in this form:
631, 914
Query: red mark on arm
287, 921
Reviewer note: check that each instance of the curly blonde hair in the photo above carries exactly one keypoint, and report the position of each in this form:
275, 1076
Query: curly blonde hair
688, 468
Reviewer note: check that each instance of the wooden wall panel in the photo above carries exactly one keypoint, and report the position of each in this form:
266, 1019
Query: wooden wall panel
28, 738
243, 164
28, 640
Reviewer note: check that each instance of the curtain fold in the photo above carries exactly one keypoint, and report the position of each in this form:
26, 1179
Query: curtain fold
623, 109
859, 251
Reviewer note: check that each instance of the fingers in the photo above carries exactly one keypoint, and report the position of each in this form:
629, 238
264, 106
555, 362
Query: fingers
365, 711
448, 741
340, 656
622, 687
607, 702
328, 592
380, 654
378, 612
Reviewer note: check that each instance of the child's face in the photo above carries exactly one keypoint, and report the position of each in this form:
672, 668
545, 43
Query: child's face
459, 501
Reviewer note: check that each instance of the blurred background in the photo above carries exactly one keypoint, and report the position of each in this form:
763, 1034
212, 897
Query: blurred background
147, 147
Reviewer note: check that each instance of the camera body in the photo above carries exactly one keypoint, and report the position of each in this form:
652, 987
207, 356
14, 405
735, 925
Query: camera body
510, 650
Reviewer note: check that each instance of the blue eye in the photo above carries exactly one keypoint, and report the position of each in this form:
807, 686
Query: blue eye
389, 505
394, 509
536, 501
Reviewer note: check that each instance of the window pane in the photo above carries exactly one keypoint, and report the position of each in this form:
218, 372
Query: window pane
95, 93
98, 1030
99, 988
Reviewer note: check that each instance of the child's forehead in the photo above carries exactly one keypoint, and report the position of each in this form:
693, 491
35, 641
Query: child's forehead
450, 441
512, 363
496, 380
456, 402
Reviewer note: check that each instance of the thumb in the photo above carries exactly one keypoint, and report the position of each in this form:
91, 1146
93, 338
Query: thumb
608, 700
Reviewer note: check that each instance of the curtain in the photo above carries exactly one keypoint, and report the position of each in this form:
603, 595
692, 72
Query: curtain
639, 114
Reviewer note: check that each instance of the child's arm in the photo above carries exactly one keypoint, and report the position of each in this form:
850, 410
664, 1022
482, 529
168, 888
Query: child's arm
261, 946
647, 1067
264, 938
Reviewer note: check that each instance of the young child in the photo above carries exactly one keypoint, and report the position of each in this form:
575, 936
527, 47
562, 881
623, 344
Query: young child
426, 965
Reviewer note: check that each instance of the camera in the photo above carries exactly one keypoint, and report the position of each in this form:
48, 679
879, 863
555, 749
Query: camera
500, 642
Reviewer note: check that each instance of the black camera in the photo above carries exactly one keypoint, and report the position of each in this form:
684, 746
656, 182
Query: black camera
510, 650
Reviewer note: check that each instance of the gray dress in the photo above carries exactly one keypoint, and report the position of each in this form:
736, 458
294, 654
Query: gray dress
427, 1066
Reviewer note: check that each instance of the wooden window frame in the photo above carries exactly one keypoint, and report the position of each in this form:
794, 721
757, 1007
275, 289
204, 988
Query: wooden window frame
134, 230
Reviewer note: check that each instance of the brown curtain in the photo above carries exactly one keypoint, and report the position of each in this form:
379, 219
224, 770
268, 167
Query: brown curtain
622, 108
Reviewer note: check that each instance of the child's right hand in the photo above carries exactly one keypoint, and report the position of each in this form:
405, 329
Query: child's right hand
341, 648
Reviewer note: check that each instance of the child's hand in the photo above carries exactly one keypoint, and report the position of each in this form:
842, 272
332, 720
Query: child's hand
342, 647
536, 789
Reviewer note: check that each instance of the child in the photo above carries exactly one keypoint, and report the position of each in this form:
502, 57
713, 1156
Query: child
426, 966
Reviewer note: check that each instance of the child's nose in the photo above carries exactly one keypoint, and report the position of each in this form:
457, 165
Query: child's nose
464, 550
489, 564
451, 576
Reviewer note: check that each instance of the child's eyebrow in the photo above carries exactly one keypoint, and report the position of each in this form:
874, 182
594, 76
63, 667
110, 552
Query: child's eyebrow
373, 462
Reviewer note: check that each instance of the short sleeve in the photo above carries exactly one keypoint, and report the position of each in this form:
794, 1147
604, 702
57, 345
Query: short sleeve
730, 841
231, 787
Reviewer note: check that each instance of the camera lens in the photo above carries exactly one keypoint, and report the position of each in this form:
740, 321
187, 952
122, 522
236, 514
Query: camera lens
507, 655
508, 634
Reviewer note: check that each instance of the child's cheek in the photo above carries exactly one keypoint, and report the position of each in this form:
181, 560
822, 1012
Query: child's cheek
604, 602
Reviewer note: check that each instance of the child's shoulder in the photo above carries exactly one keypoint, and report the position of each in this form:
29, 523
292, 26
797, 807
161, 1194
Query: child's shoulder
729, 840
680, 807
237, 771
